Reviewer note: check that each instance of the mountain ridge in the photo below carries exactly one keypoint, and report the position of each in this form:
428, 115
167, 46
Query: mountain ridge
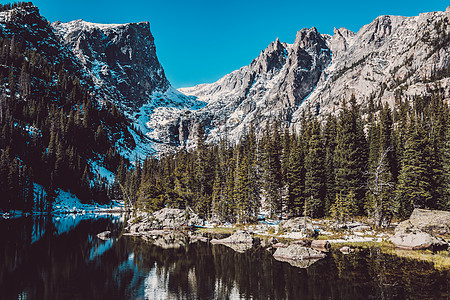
376, 62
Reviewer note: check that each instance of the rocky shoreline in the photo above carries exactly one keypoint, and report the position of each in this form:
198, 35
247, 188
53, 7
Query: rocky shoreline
298, 241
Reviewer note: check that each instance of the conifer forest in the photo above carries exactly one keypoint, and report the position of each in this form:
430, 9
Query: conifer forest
377, 161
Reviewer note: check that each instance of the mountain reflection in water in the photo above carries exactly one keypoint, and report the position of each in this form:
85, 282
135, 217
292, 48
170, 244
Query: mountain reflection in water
51, 258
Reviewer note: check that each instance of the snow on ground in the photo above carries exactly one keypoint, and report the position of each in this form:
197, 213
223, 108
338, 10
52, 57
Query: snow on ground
67, 202
102, 172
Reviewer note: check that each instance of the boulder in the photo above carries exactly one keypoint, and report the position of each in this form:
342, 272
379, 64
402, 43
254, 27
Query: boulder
166, 218
421, 229
434, 222
239, 237
296, 252
298, 256
417, 240
322, 245
298, 224
105, 235
239, 241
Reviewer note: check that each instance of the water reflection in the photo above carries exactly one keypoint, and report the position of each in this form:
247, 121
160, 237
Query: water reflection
46, 258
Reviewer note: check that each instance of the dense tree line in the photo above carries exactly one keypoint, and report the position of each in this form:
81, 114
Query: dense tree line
377, 162
50, 127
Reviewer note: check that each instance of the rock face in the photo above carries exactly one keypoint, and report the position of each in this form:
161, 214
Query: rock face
27, 26
121, 61
121, 58
166, 218
274, 84
391, 56
420, 230
298, 256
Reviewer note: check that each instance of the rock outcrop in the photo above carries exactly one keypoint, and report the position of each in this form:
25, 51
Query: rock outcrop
166, 218
297, 224
121, 62
298, 256
239, 241
391, 56
435, 222
417, 240
272, 85
422, 229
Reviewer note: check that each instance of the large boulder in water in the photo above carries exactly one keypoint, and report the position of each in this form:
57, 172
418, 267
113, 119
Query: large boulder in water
166, 218
240, 241
298, 256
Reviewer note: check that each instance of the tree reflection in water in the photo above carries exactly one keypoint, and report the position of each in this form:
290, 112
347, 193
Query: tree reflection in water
75, 264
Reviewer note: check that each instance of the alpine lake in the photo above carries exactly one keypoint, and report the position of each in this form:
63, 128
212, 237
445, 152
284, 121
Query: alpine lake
61, 257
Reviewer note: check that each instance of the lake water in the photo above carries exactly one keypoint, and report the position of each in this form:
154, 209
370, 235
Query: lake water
62, 258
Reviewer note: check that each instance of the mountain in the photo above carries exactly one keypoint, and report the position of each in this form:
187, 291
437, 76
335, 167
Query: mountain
389, 57
74, 103
274, 84
53, 126
121, 60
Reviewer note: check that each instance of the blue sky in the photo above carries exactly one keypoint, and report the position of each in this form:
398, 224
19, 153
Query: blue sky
200, 41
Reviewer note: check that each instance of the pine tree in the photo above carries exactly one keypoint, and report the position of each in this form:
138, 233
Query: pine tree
242, 191
414, 181
350, 153
272, 170
445, 203
315, 172
296, 177
329, 136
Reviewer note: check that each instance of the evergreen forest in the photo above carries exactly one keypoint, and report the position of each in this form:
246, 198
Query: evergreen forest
50, 129
377, 162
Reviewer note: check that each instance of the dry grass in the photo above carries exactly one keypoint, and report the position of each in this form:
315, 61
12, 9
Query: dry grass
440, 259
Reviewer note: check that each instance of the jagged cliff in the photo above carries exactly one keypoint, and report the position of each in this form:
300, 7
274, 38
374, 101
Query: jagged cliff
391, 56
122, 62
121, 58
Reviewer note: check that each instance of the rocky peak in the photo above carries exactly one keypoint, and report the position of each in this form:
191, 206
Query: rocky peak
269, 88
121, 58
310, 39
271, 59
341, 39
24, 24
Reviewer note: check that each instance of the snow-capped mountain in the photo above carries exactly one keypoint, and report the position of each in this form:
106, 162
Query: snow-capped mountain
393, 55
122, 62
273, 85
